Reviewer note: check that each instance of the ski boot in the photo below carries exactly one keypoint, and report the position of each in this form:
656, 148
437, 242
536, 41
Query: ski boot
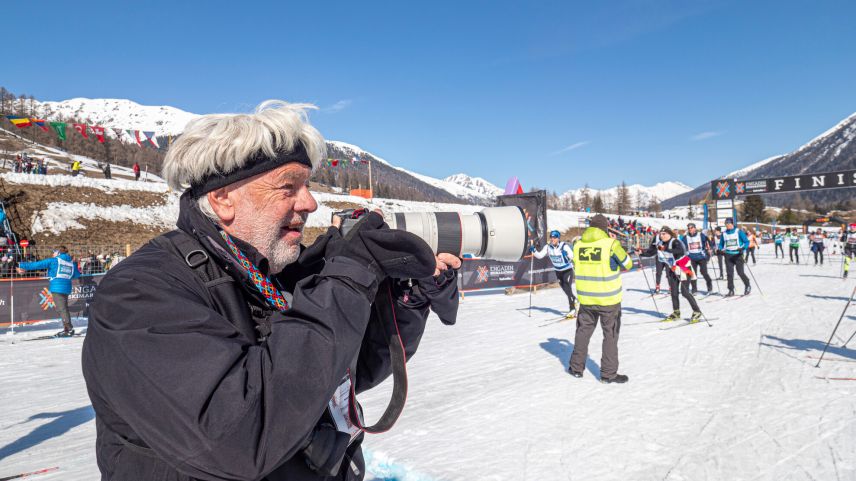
696, 317
575, 373
673, 316
747, 290
65, 333
617, 379
730, 293
657, 289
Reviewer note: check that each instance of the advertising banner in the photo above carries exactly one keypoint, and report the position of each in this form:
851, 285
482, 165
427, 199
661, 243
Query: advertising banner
34, 302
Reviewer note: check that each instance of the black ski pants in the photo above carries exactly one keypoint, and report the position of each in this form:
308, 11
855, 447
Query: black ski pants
61, 302
732, 261
750, 251
566, 279
818, 251
794, 251
719, 259
700, 267
660, 267
780, 248
610, 323
674, 281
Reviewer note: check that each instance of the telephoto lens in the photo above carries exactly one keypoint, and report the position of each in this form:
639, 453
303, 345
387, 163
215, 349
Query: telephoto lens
497, 233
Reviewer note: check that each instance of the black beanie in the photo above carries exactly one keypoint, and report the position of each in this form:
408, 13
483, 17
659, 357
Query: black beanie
600, 222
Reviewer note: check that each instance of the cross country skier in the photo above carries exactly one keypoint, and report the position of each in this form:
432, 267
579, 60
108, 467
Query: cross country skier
670, 251
697, 245
793, 244
732, 244
562, 256
753, 243
817, 246
778, 240
849, 248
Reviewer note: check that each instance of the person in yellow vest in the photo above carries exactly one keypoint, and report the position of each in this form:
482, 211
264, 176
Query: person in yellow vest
599, 259
75, 168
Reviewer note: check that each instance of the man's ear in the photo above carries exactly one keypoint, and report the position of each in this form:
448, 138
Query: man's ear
223, 204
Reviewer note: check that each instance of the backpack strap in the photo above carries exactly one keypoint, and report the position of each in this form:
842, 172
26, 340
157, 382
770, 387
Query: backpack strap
199, 261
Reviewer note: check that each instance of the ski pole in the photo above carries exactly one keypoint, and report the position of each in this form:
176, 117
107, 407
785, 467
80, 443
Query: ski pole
31, 473
642, 268
849, 300
715, 274
848, 340
756, 280
531, 279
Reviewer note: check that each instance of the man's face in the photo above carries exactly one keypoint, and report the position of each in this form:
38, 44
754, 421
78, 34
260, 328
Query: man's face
664, 236
692, 230
271, 211
554, 241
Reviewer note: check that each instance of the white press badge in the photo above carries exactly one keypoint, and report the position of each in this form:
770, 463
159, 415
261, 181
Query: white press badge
339, 405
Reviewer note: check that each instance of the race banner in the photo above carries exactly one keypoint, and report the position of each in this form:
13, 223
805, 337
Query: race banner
34, 302
731, 188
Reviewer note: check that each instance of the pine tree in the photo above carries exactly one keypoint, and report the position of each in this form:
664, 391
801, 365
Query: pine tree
655, 206
622, 199
753, 209
690, 210
597, 204
788, 217
585, 197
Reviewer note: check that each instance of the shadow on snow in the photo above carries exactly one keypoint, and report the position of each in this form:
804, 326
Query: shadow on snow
62, 422
562, 349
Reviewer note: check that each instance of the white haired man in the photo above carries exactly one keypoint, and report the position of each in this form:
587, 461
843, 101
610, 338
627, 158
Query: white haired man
225, 350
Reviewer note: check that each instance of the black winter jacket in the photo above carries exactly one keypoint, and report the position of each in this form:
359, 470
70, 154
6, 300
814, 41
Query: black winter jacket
181, 385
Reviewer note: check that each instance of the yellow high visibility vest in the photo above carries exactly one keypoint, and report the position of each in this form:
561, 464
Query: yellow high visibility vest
598, 283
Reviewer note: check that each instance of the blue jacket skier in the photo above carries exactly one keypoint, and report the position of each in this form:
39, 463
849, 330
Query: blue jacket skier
562, 256
732, 243
61, 270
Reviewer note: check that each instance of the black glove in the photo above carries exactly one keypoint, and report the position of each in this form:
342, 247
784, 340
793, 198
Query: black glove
386, 252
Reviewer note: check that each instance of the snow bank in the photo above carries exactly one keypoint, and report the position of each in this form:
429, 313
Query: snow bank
107, 185
61, 216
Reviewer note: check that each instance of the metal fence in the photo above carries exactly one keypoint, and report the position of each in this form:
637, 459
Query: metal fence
90, 259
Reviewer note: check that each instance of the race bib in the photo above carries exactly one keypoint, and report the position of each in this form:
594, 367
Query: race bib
64, 270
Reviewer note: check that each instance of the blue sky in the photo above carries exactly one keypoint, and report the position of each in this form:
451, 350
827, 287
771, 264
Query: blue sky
558, 93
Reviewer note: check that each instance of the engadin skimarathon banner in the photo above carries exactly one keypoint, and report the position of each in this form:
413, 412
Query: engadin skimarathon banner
731, 188
33, 301
490, 274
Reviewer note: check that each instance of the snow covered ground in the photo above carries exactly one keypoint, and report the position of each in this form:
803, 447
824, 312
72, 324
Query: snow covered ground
490, 399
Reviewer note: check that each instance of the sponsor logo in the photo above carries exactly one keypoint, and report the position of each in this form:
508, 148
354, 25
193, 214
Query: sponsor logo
740, 187
482, 273
723, 190
46, 300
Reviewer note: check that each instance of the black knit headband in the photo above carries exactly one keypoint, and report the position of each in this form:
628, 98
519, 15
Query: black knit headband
257, 164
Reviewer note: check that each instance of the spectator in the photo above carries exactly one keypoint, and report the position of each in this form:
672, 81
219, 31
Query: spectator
75, 168
136, 171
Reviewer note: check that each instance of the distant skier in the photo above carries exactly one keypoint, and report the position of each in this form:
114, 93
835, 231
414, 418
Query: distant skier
136, 171
61, 270
670, 251
849, 248
793, 239
562, 256
732, 244
697, 246
753, 244
817, 246
778, 240
75, 168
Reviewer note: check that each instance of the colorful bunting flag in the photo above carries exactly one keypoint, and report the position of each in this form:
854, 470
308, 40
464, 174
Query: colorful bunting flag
137, 137
99, 132
118, 133
19, 122
151, 137
82, 129
40, 123
59, 128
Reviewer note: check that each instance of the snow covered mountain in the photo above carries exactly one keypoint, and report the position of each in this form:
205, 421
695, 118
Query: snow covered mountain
662, 190
831, 151
476, 184
119, 113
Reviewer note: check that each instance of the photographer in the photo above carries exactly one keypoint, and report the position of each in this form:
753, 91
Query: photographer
225, 350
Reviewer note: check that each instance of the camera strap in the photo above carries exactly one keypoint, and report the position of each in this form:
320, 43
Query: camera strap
398, 360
